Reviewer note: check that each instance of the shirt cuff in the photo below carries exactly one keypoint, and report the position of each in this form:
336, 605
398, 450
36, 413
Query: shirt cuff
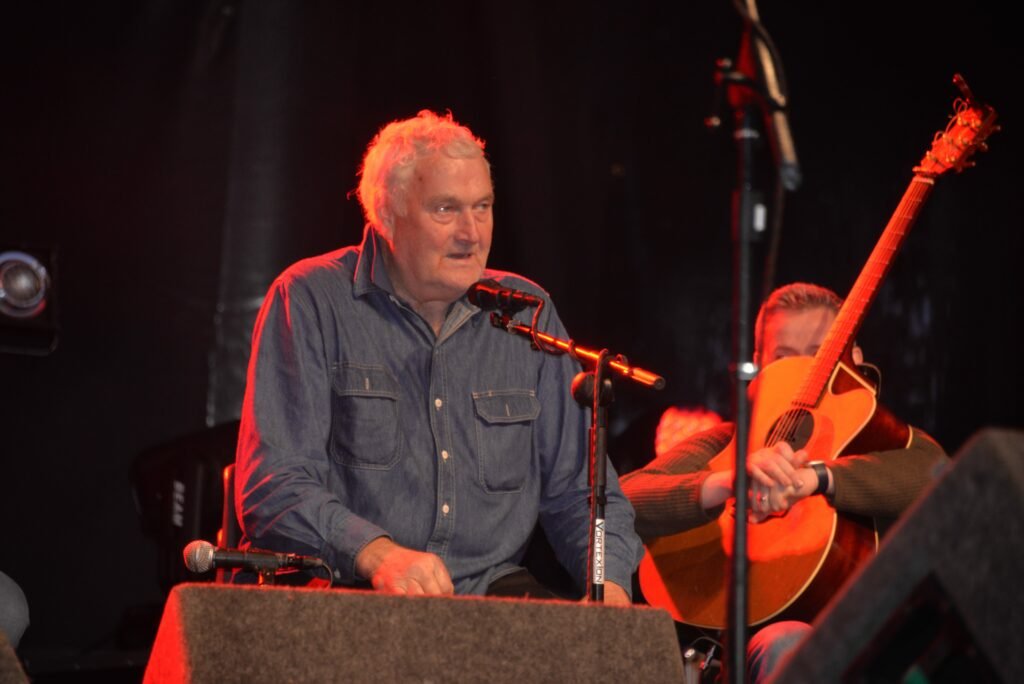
345, 545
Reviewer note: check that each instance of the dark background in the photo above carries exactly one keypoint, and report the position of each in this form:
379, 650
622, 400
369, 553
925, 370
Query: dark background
171, 157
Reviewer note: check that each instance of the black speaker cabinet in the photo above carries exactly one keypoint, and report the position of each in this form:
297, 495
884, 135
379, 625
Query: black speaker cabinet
222, 633
941, 602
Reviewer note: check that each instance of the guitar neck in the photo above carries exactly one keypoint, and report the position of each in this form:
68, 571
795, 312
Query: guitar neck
864, 291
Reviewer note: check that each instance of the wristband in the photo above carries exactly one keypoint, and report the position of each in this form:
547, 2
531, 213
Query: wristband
822, 472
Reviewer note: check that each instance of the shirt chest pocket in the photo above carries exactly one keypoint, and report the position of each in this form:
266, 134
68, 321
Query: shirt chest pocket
364, 417
504, 434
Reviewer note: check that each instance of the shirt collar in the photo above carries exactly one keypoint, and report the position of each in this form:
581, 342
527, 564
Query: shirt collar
370, 274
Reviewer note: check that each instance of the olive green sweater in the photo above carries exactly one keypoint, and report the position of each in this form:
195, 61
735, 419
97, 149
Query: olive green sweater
666, 492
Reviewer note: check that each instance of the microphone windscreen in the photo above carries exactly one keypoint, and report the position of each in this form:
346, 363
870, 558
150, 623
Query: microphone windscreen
484, 294
199, 556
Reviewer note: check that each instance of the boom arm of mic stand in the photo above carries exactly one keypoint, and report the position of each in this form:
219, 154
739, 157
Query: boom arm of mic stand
599, 362
585, 356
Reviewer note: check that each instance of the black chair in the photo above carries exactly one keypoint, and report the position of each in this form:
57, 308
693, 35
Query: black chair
180, 488
230, 532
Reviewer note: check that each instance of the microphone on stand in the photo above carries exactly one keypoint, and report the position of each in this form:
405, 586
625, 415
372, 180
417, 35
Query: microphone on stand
489, 295
201, 556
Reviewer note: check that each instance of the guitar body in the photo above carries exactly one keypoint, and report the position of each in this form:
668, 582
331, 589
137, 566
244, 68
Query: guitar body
796, 560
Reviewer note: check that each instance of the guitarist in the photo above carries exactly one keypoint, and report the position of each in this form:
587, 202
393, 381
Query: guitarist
677, 491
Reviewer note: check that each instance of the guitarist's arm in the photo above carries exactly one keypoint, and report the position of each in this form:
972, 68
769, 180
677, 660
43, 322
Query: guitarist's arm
880, 484
883, 484
678, 491
666, 493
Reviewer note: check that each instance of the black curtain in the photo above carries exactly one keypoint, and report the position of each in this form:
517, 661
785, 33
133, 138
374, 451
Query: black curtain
177, 155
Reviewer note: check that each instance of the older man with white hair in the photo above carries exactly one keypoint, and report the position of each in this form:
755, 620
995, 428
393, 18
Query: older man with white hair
388, 427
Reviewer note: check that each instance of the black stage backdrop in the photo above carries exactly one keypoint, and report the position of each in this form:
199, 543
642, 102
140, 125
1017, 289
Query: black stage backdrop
173, 156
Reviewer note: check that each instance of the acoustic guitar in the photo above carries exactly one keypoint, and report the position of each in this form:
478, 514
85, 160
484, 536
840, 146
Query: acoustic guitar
825, 405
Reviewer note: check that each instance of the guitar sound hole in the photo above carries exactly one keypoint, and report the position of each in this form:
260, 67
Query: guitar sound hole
794, 426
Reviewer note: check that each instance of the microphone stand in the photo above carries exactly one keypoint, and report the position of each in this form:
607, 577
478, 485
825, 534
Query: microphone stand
600, 363
583, 392
754, 89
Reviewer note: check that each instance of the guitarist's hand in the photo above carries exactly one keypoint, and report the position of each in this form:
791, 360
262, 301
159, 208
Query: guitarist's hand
775, 483
775, 466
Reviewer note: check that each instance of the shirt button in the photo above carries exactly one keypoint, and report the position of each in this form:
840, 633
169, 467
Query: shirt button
445, 509
444, 455
438, 402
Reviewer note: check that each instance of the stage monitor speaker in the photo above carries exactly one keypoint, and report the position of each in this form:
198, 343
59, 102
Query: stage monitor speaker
11, 671
216, 633
940, 602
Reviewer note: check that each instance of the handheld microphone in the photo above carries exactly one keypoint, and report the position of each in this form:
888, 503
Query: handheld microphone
489, 294
201, 556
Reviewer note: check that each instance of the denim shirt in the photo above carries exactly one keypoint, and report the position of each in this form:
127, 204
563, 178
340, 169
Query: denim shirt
360, 422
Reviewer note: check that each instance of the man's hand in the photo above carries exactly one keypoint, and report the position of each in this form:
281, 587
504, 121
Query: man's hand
614, 595
777, 480
769, 468
775, 466
397, 570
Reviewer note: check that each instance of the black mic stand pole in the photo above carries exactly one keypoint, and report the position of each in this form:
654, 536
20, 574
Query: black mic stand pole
746, 204
749, 99
744, 201
583, 392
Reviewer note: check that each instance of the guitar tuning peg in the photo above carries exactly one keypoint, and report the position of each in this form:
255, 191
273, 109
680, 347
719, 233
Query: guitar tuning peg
961, 84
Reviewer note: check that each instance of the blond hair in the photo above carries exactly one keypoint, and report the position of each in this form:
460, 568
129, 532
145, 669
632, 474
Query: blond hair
793, 297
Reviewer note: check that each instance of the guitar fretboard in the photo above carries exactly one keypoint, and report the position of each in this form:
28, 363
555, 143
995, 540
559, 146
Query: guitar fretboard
863, 293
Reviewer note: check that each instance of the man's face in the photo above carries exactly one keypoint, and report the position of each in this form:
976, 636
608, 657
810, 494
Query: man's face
795, 333
440, 245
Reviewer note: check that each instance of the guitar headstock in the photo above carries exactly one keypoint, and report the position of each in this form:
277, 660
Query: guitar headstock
972, 122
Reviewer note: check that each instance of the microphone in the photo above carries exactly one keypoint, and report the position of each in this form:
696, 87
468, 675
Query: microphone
201, 556
489, 294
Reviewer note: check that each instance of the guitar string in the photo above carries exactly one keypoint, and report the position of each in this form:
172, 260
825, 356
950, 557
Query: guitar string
891, 241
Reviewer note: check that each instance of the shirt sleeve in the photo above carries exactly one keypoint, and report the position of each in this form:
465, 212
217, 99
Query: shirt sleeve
281, 494
883, 484
666, 492
564, 450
